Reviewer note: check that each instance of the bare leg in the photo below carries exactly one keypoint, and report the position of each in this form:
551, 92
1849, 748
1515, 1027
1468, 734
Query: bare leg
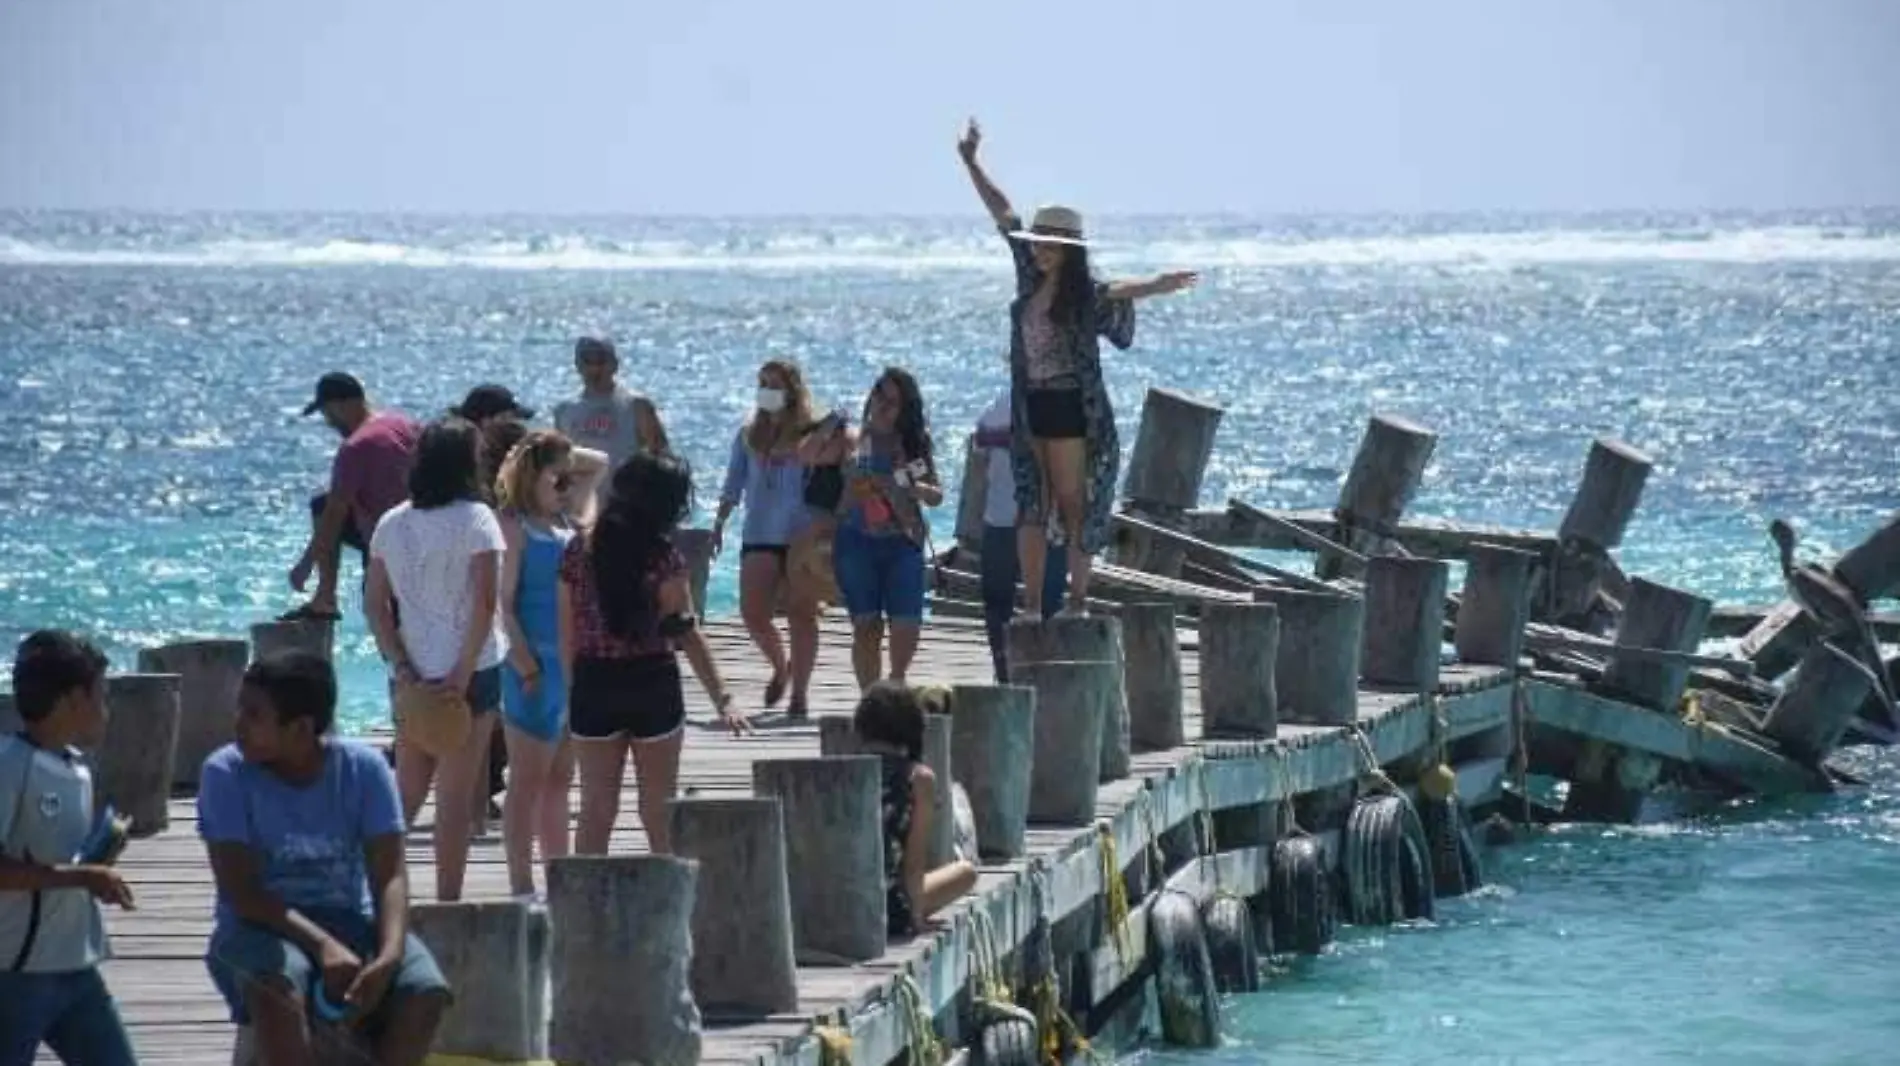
802, 620
759, 576
278, 1022
657, 764
1066, 462
903, 647
454, 794
944, 886
1032, 541
531, 762
603, 769
409, 1030
553, 812
867, 650
415, 769
478, 792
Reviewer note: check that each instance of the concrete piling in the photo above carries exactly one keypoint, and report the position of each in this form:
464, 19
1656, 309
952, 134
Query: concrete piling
834, 853
308, 635
743, 958
1239, 646
1073, 701
992, 747
210, 672
1405, 622
1089, 638
1316, 662
495, 955
133, 766
1151, 676
1495, 605
622, 960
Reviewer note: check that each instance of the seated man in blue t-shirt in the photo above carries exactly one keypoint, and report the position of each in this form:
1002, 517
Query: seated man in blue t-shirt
306, 840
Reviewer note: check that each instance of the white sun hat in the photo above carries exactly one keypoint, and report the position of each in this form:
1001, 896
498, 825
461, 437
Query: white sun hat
1054, 224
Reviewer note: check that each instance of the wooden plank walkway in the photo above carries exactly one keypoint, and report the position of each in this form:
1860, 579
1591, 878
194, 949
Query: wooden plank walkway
175, 1016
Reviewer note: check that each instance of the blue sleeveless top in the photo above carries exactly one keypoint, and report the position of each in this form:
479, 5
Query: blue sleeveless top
537, 602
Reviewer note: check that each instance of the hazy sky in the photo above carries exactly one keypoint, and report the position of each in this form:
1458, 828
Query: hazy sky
852, 106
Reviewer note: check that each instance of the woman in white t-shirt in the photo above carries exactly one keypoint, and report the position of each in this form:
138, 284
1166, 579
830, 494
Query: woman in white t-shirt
434, 580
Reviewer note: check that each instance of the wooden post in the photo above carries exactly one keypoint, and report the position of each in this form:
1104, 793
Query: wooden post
1813, 712
495, 956
971, 496
1405, 622
307, 635
1172, 448
837, 735
1073, 701
623, 953
1385, 475
742, 923
1776, 643
1316, 667
1151, 676
992, 747
1495, 605
1606, 499
210, 673
1138, 549
1239, 644
834, 853
695, 545
1872, 567
1656, 616
1089, 638
133, 766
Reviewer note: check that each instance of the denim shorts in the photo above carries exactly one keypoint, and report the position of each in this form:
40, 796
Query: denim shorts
240, 953
72, 1013
880, 576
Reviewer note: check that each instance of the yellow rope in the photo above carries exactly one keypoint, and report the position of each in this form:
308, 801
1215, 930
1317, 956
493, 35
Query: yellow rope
1114, 890
920, 1033
986, 959
834, 1045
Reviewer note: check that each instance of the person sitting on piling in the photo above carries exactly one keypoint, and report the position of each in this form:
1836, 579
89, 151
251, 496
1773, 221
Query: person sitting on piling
1065, 448
369, 475
625, 605
305, 834
52, 934
1001, 567
890, 724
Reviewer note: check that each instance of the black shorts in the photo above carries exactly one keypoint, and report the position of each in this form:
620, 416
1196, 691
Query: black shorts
626, 699
1056, 414
778, 551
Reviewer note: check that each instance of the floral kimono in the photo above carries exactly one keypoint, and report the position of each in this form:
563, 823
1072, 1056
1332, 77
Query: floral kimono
1102, 317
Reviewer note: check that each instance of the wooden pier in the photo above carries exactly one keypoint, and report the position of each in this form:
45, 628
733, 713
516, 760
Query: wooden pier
1364, 717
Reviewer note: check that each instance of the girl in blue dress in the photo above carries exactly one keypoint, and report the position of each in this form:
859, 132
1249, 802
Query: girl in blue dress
540, 487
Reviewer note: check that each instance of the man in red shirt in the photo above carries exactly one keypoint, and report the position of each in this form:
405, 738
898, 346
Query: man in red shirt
370, 475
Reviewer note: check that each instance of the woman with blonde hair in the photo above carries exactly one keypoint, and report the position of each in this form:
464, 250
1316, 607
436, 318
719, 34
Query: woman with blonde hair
766, 474
545, 486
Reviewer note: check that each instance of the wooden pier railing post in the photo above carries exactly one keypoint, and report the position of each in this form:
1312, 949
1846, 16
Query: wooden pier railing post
992, 747
495, 956
1405, 622
1316, 667
1172, 449
622, 955
834, 853
1385, 474
695, 546
1151, 676
1495, 605
1614, 474
1073, 703
210, 672
1813, 712
1872, 567
310, 635
1239, 645
1089, 638
743, 959
1656, 616
837, 735
134, 761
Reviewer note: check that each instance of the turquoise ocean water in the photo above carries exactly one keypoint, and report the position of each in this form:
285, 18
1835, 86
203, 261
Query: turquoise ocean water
153, 477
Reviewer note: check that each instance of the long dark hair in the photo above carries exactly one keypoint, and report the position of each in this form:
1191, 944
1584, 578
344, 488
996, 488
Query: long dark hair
499, 437
1075, 285
913, 425
649, 497
890, 713
446, 467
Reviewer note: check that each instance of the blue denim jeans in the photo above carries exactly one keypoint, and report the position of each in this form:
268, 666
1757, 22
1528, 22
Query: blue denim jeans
72, 1013
1001, 571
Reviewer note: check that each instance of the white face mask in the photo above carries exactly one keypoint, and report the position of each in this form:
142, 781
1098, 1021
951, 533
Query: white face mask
771, 401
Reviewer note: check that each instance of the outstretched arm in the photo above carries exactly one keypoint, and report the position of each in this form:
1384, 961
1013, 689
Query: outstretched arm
1159, 285
993, 199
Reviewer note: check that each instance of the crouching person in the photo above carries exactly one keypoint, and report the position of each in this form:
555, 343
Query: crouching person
53, 873
305, 834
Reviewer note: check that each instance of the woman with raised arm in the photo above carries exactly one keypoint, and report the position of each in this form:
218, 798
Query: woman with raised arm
1064, 445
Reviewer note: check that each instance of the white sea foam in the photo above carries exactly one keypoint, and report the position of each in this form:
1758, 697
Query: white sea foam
809, 251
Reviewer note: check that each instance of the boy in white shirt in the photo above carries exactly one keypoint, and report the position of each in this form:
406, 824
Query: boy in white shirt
1000, 567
